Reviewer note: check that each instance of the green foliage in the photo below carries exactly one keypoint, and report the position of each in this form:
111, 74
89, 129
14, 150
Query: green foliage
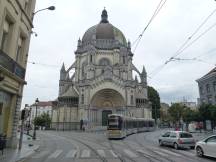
176, 112
154, 97
208, 112
205, 112
190, 115
43, 120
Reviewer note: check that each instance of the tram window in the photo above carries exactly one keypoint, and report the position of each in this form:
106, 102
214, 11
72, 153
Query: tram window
120, 123
113, 123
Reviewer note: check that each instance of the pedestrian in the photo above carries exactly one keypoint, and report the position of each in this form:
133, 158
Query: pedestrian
81, 124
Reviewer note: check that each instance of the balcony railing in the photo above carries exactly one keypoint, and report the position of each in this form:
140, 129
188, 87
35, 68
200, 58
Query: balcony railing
11, 65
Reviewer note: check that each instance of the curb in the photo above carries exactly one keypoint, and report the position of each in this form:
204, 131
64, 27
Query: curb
30, 154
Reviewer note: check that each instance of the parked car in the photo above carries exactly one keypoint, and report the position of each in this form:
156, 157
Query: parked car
177, 139
207, 147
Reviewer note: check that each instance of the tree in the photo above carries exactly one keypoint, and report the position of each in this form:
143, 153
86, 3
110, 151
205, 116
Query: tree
208, 112
43, 120
176, 112
154, 97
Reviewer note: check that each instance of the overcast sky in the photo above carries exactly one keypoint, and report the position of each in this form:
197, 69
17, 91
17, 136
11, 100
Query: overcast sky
59, 30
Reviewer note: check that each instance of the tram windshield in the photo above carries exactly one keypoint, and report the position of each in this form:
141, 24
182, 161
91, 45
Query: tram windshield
114, 122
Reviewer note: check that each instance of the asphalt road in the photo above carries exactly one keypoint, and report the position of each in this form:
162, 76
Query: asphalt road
95, 147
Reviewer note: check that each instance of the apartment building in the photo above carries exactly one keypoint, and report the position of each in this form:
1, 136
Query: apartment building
15, 31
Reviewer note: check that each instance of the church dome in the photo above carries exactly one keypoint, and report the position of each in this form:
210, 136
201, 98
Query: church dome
104, 31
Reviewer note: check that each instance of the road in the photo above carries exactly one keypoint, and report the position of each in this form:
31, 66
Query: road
95, 147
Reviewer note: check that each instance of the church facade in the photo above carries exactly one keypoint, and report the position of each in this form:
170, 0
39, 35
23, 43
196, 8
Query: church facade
102, 82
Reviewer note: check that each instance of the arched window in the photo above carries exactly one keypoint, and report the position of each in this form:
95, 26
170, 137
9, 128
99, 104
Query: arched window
82, 99
207, 88
90, 58
102, 71
83, 69
214, 85
123, 59
104, 62
131, 100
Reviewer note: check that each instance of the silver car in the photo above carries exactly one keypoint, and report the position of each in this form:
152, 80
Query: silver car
207, 147
177, 139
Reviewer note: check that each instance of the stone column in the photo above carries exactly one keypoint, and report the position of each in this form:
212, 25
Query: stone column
14, 120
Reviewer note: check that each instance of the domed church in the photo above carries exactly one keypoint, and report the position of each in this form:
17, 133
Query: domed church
102, 81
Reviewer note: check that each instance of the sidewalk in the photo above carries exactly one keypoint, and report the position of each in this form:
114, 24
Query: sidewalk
202, 135
14, 155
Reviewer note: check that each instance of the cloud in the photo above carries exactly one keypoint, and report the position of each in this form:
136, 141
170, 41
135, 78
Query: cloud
59, 30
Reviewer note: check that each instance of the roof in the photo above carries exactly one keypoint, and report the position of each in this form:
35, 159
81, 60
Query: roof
210, 73
71, 92
43, 103
104, 31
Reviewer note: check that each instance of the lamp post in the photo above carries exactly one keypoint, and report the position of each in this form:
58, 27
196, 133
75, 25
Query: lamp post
29, 122
48, 8
34, 133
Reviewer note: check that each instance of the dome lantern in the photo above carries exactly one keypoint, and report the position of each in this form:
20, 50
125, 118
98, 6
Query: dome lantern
104, 34
104, 16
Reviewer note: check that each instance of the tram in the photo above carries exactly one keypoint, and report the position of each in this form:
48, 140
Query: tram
120, 126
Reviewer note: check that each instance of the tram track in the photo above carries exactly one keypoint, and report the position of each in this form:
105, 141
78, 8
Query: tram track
110, 147
153, 153
178, 152
72, 140
143, 154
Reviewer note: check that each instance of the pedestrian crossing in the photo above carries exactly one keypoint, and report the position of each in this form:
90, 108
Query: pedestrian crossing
87, 153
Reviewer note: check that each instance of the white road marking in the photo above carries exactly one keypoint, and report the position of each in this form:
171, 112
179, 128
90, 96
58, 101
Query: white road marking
188, 153
130, 153
170, 152
55, 154
85, 153
113, 154
71, 154
161, 153
101, 153
144, 152
41, 154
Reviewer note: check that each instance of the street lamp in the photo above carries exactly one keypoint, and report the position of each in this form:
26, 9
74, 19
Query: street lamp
29, 122
34, 133
48, 8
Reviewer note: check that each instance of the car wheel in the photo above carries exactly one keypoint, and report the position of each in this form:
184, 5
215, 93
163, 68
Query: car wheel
199, 151
176, 146
160, 143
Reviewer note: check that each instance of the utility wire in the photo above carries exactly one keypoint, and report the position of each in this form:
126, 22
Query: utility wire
192, 59
192, 35
35, 63
157, 10
184, 47
197, 38
148, 23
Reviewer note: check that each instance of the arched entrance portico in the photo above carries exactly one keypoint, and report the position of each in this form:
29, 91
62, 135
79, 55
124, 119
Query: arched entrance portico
105, 102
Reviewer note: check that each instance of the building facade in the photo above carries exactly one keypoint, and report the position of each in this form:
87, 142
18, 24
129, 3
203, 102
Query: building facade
103, 81
42, 107
207, 88
15, 31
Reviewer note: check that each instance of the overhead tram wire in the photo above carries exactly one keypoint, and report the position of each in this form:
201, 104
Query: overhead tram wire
192, 35
35, 63
193, 59
197, 38
157, 10
151, 19
184, 47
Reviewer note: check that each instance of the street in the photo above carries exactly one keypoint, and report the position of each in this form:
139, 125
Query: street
95, 147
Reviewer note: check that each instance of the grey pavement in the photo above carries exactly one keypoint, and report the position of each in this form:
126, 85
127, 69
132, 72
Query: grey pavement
14, 155
72, 146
